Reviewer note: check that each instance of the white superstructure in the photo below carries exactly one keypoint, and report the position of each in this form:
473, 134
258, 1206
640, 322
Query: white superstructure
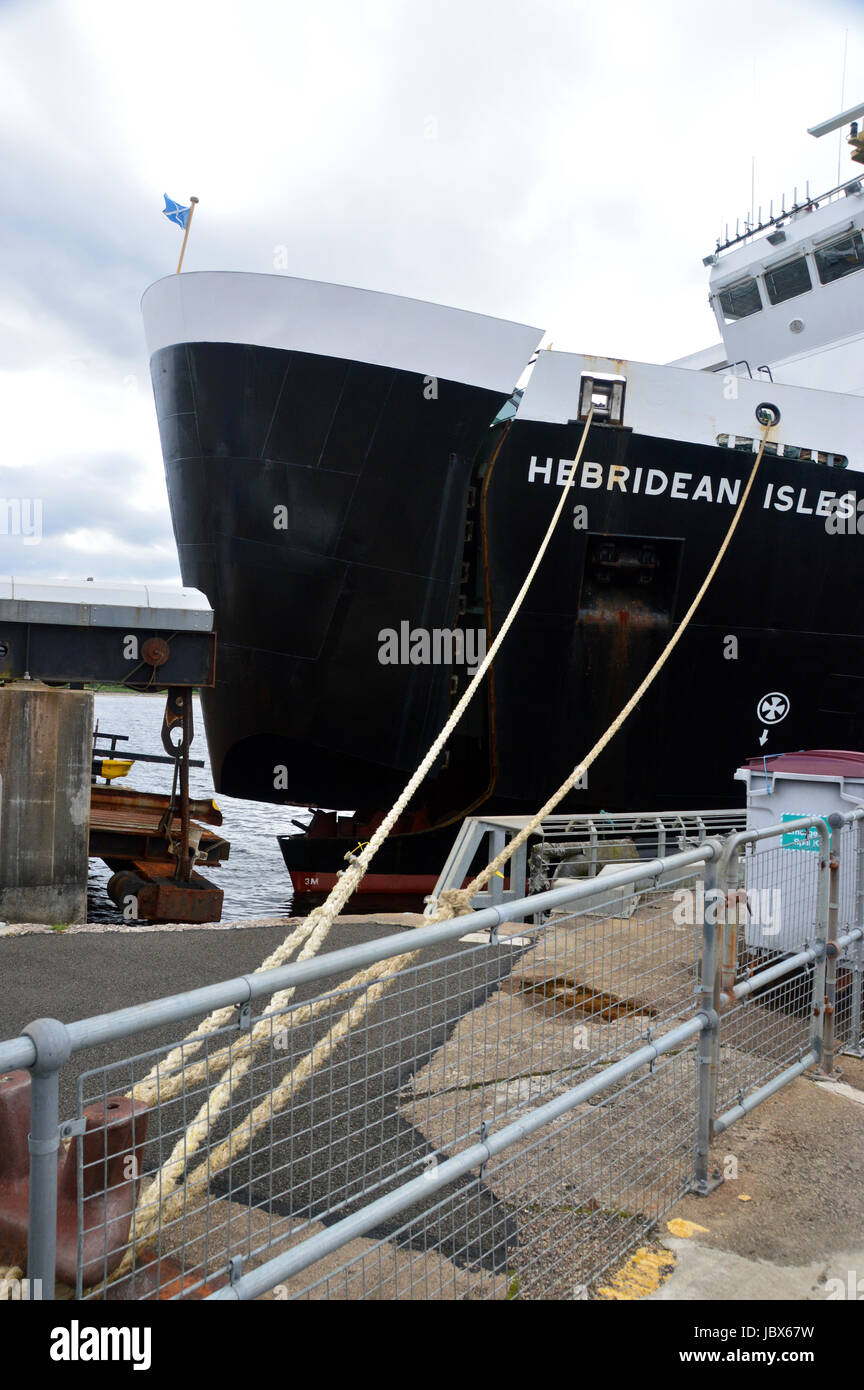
792, 298
701, 407
788, 295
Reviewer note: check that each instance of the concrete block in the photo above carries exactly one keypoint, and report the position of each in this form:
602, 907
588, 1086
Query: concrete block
45, 758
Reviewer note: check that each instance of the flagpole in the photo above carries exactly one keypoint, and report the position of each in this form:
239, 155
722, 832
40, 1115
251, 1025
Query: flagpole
192, 202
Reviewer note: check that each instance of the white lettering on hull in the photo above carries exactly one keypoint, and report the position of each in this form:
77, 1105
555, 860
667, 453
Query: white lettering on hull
689, 487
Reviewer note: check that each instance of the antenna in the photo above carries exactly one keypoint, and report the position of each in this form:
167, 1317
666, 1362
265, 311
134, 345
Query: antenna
842, 99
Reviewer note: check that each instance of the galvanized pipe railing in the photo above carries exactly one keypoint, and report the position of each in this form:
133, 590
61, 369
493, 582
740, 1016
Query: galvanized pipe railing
44, 1046
176, 1008
820, 926
709, 999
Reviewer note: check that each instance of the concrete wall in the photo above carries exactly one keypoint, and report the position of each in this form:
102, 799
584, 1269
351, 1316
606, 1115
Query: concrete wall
45, 759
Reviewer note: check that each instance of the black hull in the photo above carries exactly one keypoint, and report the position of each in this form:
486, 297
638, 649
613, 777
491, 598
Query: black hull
395, 514
787, 594
375, 480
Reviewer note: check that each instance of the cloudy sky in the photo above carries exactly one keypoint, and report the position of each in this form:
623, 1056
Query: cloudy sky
558, 162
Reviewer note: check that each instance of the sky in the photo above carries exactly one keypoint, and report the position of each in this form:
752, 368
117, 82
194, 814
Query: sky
555, 162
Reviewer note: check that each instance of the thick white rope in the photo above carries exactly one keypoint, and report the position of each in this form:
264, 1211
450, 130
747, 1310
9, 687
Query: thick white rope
169, 1077
165, 1080
161, 1200
452, 904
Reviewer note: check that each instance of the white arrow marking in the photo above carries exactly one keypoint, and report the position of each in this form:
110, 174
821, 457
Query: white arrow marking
764, 737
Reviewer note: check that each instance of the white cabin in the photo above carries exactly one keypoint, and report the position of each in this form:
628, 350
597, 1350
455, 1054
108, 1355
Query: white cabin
789, 300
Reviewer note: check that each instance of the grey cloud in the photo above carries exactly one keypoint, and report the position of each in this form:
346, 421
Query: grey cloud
491, 155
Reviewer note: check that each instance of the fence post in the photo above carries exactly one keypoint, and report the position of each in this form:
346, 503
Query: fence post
855, 1029
709, 1004
53, 1047
836, 822
818, 997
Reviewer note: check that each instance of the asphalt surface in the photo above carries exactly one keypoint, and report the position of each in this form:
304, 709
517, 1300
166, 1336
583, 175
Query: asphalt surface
76, 975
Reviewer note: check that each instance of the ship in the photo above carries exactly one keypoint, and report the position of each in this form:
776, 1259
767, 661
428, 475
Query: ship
359, 483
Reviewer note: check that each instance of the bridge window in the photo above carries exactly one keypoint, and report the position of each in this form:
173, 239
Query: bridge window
786, 280
740, 299
840, 257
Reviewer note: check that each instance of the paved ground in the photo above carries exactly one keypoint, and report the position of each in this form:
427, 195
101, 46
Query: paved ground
793, 1218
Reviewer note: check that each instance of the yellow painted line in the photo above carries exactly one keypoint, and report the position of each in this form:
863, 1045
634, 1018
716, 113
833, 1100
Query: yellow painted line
643, 1273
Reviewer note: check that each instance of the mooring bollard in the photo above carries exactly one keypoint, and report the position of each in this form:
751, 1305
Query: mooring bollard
38, 1176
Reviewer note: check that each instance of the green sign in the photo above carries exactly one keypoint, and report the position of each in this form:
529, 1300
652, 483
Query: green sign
804, 837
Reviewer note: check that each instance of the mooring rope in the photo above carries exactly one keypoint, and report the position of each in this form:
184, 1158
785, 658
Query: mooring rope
169, 1077
170, 1203
161, 1199
165, 1079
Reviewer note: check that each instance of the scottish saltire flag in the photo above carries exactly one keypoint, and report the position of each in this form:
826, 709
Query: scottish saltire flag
175, 212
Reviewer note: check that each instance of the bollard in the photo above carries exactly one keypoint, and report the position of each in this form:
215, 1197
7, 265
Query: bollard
39, 1182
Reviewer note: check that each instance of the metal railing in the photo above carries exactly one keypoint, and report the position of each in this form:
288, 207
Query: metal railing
505, 1110
586, 843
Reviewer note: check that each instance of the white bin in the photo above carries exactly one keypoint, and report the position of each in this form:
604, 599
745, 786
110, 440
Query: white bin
782, 872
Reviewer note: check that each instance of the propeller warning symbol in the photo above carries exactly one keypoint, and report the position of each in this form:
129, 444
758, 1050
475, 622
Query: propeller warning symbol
773, 707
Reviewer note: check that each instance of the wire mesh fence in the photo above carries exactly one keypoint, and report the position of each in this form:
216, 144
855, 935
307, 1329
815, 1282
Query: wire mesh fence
503, 1107
849, 1025
771, 913
461, 1040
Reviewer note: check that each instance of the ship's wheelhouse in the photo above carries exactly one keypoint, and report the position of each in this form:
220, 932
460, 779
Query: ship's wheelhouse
789, 298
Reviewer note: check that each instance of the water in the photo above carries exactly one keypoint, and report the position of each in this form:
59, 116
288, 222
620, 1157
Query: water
254, 879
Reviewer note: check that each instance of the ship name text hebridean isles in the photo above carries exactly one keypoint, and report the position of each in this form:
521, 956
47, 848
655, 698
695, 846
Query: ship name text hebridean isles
692, 487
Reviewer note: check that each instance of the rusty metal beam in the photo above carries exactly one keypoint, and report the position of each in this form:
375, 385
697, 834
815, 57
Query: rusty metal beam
57, 652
